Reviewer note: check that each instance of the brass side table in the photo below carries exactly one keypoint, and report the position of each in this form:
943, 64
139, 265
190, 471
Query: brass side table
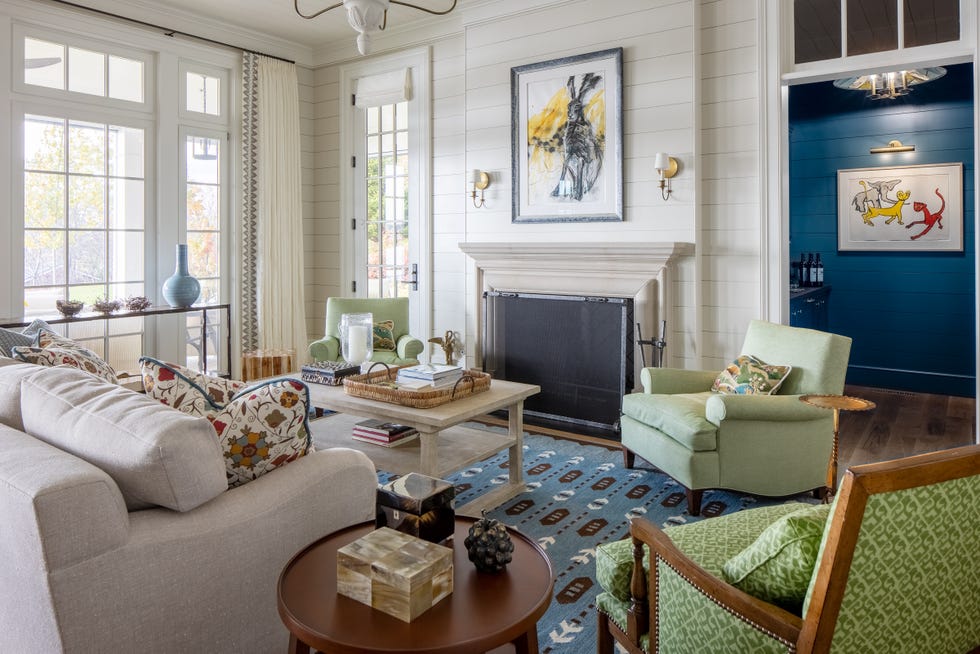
838, 403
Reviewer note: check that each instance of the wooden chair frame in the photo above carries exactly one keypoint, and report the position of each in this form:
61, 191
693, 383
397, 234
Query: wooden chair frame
815, 632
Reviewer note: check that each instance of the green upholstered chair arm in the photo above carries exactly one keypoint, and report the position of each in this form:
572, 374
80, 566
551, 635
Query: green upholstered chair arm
667, 381
771, 408
409, 347
696, 611
325, 349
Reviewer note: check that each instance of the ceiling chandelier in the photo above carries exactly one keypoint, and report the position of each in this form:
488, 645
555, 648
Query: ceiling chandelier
368, 16
885, 86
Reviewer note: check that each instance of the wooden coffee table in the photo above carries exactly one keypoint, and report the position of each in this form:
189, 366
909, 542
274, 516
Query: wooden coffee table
443, 447
483, 611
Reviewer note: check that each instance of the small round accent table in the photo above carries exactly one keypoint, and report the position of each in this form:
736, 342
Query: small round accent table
838, 403
484, 611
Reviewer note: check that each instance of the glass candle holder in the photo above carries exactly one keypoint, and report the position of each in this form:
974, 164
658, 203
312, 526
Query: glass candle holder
356, 337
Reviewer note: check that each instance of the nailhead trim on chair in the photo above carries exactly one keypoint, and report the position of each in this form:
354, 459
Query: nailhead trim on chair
790, 647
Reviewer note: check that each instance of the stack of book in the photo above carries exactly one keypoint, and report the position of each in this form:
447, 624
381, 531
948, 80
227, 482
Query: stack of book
331, 373
428, 376
386, 434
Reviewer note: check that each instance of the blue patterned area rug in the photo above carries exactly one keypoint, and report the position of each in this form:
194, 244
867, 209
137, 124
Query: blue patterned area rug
579, 496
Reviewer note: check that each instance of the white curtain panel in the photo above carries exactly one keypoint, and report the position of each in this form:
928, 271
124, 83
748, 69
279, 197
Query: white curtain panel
280, 276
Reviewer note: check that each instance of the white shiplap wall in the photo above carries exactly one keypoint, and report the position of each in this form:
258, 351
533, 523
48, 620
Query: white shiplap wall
690, 88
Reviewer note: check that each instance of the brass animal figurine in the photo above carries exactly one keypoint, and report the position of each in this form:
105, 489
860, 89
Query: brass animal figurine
450, 345
894, 211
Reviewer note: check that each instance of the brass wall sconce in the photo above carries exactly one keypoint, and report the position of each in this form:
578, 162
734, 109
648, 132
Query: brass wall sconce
481, 181
666, 167
893, 146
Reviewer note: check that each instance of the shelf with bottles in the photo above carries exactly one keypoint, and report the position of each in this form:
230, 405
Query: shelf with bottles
808, 272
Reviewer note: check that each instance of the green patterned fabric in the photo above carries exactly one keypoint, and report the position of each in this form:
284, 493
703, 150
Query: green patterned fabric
384, 335
709, 543
777, 567
691, 623
748, 375
914, 584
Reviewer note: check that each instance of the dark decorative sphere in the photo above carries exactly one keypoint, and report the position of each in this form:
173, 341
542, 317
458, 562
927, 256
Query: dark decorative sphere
488, 545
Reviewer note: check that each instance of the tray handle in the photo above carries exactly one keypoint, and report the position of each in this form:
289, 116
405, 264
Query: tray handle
466, 376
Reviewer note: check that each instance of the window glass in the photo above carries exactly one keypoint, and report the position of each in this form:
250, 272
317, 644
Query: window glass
931, 21
86, 71
816, 30
203, 210
203, 94
125, 79
44, 63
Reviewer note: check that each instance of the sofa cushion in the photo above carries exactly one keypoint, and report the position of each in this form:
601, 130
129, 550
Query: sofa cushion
748, 375
157, 456
777, 567
679, 416
51, 349
384, 335
11, 372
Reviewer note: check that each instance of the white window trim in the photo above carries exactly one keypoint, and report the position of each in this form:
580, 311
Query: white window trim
185, 66
22, 30
419, 60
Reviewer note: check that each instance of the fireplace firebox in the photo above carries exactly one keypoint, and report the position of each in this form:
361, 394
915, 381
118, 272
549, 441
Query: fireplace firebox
578, 349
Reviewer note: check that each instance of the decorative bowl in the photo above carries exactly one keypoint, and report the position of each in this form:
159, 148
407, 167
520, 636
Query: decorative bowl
137, 303
69, 308
105, 305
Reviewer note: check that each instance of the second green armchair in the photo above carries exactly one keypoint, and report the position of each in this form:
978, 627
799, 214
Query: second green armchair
407, 347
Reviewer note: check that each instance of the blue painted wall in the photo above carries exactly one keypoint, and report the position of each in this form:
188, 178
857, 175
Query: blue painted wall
911, 315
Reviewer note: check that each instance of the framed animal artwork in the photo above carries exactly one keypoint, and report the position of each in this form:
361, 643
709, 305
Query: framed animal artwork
567, 139
908, 208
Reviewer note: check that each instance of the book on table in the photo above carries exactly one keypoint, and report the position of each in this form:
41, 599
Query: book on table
414, 384
382, 429
401, 440
330, 373
430, 372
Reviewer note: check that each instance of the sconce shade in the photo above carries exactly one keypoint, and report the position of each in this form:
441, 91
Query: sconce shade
662, 162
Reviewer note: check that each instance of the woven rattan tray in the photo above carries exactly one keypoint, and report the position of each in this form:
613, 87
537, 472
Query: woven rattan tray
380, 385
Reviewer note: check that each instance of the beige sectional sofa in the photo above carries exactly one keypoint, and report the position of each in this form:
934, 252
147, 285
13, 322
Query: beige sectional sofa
118, 532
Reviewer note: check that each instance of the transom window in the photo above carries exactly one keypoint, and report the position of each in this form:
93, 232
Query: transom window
79, 70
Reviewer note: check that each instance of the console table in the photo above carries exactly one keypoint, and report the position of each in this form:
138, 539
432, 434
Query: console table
90, 316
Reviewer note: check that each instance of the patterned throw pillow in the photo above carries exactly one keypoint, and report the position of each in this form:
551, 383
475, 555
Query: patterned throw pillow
51, 349
11, 338
260, 428
384, 335
747, 375
777, 567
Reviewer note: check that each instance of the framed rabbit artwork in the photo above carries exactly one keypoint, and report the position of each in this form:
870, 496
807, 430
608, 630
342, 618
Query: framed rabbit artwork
567, 139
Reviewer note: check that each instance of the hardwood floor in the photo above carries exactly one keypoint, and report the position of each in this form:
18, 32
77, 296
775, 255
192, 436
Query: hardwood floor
903, 424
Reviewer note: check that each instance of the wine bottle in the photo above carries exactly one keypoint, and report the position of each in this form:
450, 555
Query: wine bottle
811, 271
819, 268
804, 271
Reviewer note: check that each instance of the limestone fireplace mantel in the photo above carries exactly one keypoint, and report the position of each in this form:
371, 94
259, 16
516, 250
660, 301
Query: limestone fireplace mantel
640, 271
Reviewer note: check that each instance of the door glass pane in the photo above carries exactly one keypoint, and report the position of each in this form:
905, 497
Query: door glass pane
44, 143
86, 71
203, 94
202, 207
872, 26
44, 64
202, 159
125, 79
931, 21
202, 254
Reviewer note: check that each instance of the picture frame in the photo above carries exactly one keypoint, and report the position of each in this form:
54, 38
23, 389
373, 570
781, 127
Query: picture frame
901, 208
567, 139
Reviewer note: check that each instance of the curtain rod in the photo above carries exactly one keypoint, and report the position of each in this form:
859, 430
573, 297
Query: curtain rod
169, 32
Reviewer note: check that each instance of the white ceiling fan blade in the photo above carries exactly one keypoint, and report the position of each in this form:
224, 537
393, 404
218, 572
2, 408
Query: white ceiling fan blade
41, 62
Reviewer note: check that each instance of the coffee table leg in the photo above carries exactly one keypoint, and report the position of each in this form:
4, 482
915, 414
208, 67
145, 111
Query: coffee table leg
296, 646
527, 643
515, 415
428, 461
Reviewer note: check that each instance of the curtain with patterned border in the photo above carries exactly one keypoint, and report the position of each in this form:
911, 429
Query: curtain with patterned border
273, 294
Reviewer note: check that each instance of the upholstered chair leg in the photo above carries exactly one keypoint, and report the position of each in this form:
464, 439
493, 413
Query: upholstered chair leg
629, 458
693, 501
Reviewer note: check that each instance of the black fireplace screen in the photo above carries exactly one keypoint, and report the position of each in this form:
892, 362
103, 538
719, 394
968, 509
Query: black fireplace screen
578, 349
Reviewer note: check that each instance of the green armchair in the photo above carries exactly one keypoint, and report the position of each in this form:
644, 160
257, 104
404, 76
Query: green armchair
894, 571
407, 347
770, 445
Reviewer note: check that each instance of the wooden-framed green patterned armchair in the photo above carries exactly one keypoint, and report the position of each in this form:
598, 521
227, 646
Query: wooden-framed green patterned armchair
892, 569
402, 349
764, 444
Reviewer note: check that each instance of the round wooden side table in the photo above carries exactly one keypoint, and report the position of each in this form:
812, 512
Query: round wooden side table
838, 403
484, 611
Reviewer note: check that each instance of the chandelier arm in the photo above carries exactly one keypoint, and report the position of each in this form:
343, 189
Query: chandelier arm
322, 11
428, 11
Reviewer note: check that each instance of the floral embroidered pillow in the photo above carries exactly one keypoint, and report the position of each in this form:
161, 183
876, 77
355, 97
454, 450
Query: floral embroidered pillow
748, 375
171, 384
51, 349
384, 335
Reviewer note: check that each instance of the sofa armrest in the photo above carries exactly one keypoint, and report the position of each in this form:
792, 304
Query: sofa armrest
721, 610
325, 349
667, 381
409, 347
769, 408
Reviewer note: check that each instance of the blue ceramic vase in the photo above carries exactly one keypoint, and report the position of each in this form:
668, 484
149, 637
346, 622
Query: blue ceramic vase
181, 290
